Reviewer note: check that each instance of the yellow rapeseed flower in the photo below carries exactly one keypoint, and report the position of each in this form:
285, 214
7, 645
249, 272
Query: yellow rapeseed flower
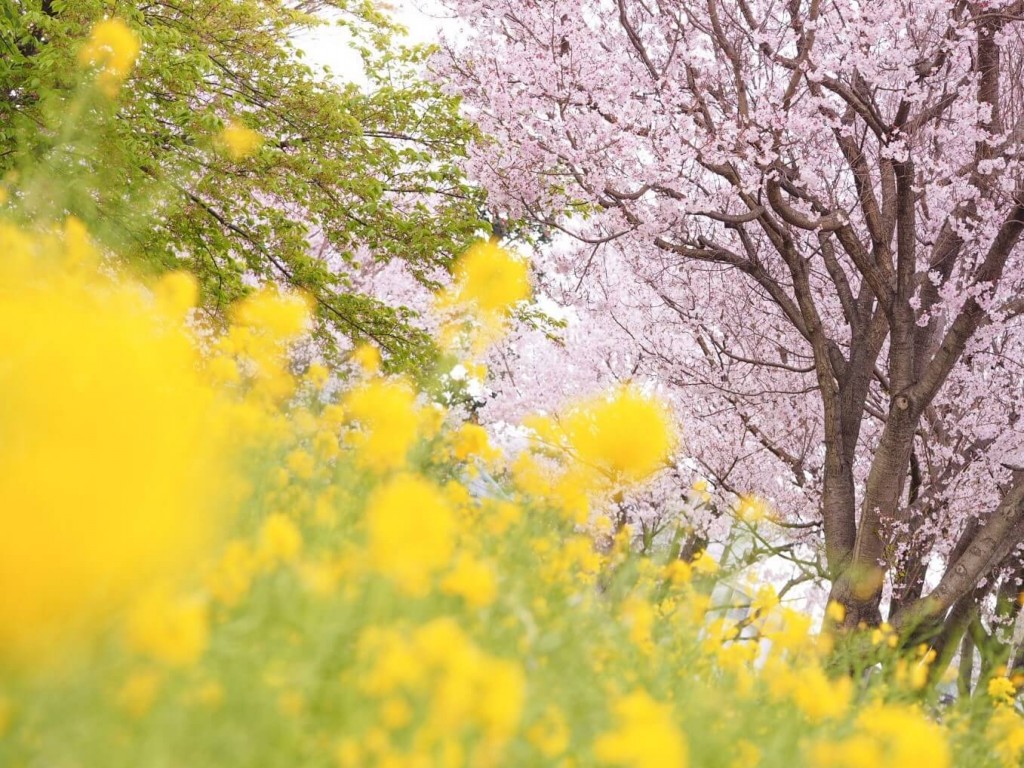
1002, 690
704, 564
490, 279
473, 580
231, 579
283, 315
239, 141
639, 616
752, 509
301, 464
471, 440
818, 696
1005, 732
644, 736
886, 734
114, 448
168, 628
410, 530
389, 422
389, 662
500, 704
177, 293
367, 357
113, 47
395, 713
280, 540
627, 436
700, 489
765, 600
835, 611
905, 734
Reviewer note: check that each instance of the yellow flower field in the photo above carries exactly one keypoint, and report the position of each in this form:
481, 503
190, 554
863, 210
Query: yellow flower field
207, 562
214, 552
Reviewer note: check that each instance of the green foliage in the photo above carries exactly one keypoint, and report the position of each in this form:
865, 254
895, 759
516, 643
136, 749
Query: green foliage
344, 171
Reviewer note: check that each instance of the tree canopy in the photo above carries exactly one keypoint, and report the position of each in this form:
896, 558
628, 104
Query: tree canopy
805, 220
341, 173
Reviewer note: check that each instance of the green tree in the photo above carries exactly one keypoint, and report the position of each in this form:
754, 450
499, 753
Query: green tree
352, 170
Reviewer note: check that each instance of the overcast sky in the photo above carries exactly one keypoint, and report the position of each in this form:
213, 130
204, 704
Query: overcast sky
328, 45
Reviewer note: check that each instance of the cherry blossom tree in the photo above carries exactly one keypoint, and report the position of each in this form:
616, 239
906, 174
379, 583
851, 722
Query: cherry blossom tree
804, 218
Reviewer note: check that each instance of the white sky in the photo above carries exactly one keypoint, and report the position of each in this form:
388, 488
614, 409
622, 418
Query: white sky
327, 46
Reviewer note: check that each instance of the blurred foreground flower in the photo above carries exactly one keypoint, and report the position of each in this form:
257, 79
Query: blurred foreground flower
112, 47
113, 447
239, 141
490, 279
489, 282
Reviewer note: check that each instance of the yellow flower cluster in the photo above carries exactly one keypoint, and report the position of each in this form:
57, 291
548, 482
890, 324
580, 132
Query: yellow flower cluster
1005, 731
817, 695
410, 531
113, 446
752, 509
467, 695
389, 423
489, 282
646, 735
239, 141
625, 437
886, 734
113, 48
597, 448
169, 628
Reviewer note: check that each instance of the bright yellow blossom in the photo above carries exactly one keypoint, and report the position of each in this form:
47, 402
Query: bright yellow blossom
280, 540
388, 421
285, 316
644, 735
887, 734
1005, 732
114, 449
1002, 690
177, 293
113, 47
503, 697
472, 580
817, 695
410, 530
752, 509
168, 628
490, 279
239, 141
395, 713
626, 436
471, 440
639, 616
367, 357
301, 464
704, 564
835, 612
231, 579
